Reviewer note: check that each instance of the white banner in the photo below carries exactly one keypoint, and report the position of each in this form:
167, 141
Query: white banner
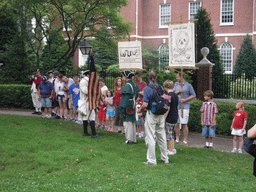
130, 55
182, 45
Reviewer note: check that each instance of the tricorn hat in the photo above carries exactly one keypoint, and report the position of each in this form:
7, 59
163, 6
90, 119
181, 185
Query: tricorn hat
86, 72
128, 74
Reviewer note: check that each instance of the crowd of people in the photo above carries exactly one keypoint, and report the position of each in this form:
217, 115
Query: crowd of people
128, 110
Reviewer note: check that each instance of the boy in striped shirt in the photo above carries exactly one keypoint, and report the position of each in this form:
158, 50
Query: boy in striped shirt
208, 118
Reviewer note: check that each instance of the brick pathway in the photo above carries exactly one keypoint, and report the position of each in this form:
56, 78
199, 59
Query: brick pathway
221, 143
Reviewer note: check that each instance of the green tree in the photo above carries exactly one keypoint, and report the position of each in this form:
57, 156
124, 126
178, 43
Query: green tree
205, 38
75, 19
246, 59
150, 56
13, 51
105, 52
53, 51
8, 27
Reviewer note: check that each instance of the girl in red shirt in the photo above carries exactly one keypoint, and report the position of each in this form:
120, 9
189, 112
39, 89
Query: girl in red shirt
238, 126
118, 84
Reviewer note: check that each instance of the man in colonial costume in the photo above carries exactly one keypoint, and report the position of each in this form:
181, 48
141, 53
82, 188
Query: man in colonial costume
127, 107
91, 95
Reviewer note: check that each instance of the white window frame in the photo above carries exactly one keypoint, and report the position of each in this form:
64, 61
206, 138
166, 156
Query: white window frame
231, 57
81, 58
221, 13
162, 47
189, 9
166, 25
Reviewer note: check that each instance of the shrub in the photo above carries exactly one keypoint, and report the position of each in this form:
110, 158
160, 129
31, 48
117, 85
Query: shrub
112, 70
243, 88
18, 96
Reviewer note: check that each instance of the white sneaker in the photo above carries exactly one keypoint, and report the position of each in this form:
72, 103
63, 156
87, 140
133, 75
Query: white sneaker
234, 150
48, 116
240, 151
173, 152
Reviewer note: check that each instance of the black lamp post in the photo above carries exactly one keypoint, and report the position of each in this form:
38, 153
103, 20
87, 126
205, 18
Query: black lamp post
85, 47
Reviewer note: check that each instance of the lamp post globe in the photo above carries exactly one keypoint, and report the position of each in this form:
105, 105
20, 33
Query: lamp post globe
85, 47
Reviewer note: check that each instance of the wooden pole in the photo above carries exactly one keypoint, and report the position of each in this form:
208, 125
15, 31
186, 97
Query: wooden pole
181, 95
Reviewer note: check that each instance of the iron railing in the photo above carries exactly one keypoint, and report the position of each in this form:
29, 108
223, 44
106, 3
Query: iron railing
234, 86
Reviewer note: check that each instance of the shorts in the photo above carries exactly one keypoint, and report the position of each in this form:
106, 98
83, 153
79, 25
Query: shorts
61, 98
208, 131
110, 113
74, 109
237, 132
55, 102
46, 102
169, 128
183, 120
70, 106
139, 122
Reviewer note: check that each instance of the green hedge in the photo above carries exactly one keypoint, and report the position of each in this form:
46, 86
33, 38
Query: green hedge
17, 96
223, 119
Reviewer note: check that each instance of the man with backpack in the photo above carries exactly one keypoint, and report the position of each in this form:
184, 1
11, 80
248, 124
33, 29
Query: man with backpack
155, 123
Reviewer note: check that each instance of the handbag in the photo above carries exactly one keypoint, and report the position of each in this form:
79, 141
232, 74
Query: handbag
82, 107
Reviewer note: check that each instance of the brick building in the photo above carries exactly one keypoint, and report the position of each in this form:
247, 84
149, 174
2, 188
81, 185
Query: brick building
231, 20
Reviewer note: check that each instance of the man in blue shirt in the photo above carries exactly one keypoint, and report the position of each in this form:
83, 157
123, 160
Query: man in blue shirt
188, 94
154, 125
46, 93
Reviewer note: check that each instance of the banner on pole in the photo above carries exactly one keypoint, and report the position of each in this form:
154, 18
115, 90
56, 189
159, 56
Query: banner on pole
182, 45
130, 55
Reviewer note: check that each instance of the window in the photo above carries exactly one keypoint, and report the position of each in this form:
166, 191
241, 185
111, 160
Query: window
227, 12
165, 15
193, 8
226, 52
163, 55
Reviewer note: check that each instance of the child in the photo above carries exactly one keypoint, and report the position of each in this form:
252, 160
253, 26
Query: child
171, 117
238, 126
208, 118
74, 91
110, 115
139, 122
102, 115
249, 147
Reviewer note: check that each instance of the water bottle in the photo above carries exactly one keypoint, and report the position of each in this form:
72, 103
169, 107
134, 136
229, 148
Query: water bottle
153, 107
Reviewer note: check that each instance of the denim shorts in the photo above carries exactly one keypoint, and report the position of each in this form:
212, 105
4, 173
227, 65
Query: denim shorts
110, 113
139, 122
46, 102
208, 131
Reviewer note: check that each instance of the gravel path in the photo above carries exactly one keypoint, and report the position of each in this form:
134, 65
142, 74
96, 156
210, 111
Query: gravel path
221, 143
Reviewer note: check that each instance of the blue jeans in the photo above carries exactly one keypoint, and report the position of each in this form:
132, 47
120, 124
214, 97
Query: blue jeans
208, 131
46, 102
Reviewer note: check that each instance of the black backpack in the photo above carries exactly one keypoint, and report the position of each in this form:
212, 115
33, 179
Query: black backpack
161, 103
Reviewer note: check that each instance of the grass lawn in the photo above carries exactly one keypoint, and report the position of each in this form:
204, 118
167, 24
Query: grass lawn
39, 154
